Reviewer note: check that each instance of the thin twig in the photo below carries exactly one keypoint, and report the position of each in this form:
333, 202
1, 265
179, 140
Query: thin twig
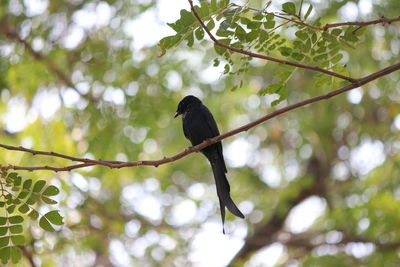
268, 58
156, 163
361, 24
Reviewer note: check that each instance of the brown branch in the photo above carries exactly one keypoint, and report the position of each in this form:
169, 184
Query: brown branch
255, 55
54, 154
361, 24
46, 168
156, 163
13, 35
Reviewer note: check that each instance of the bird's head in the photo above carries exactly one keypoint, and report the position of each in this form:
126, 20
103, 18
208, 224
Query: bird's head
185, 104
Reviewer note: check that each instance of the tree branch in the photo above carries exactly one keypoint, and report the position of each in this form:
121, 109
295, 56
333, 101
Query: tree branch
361, 24
268, 58
118, 164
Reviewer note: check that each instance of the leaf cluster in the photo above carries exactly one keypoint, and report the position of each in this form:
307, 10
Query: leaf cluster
265, 32
19, 198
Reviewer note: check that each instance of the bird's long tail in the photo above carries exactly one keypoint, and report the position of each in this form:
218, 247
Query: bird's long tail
223, 189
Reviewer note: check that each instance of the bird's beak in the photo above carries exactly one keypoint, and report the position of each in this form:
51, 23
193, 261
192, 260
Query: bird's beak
177, 114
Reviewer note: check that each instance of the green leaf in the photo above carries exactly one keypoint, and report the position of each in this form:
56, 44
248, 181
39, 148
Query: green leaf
301, 35
240, 33
213, 5
310, 8
289, 8
187, 17
168, 42
223, 33
178, 27
251, 36
199, 11
4, 241
3, 220
16, 219
254, 25
10, 209
190, 40
337, 58
314, 37
16, 254
5, 254
39, 185
216, 62
27, 184
33, 214
320, 57
199, 33
23, 194
221, 50
269, 24
349, 35
225, 24
307, 45
54, 217
211, 24
2, 203
12, 175
336, 32
244, 20
285, 51
284, 75
15, 188
18, 240
274, 88
23, 208
17, 181
16, 229
223, 3
226, 68
258, 16
3, 231
49, 200
270, 16
297, 56
31, 200
204, 8
45, 224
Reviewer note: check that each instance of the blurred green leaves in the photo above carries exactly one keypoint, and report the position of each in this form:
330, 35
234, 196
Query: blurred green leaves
137, 93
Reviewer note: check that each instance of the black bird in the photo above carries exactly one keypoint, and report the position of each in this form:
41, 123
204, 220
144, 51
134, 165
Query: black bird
199, 125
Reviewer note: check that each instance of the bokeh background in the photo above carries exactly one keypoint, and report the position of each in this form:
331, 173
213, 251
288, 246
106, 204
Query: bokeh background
319, 185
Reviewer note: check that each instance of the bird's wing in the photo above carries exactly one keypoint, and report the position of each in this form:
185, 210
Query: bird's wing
208, 117
212, 125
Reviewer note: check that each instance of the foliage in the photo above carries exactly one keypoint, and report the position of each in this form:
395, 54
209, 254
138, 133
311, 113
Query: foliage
80, 82
20, 197
265, 32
